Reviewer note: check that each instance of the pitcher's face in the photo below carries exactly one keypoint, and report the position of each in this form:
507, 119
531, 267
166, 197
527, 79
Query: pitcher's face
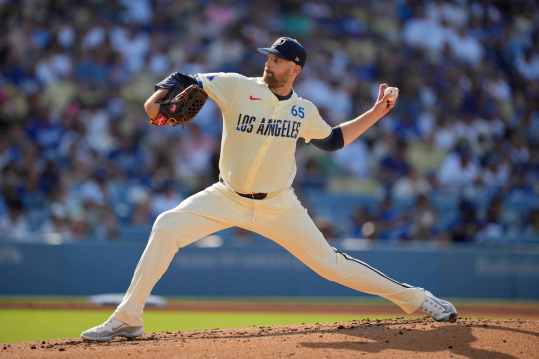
278, 71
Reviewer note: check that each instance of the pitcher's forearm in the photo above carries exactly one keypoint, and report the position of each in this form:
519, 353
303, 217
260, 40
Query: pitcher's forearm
151, 106
352, 129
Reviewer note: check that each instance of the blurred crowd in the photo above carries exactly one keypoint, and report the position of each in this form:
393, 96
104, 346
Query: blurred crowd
457, 160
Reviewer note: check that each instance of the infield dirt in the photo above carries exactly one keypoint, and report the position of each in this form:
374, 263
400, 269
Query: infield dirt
399, 338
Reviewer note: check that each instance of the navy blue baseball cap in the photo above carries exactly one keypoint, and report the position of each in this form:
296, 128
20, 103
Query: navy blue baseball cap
287, 48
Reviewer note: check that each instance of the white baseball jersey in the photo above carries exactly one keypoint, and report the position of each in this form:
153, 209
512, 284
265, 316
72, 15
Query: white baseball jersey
257, 155
260, 132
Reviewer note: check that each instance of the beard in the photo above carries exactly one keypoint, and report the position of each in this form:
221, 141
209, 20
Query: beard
274, 82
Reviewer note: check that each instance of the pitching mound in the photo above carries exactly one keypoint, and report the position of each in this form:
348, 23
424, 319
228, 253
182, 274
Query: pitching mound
417, 338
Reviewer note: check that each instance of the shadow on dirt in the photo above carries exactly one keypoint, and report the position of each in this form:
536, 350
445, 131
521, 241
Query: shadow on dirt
457, 339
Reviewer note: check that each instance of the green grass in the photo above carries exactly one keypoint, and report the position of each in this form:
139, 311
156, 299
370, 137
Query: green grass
31, 324
28, 324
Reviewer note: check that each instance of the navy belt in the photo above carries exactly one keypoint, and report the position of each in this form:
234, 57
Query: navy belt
257, 196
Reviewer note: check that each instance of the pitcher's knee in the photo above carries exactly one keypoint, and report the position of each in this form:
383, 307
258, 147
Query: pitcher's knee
166, 221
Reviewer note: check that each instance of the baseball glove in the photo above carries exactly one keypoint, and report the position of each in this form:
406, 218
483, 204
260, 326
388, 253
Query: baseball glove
180, 105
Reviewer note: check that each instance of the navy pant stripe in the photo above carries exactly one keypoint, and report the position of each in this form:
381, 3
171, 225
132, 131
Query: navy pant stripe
350, 258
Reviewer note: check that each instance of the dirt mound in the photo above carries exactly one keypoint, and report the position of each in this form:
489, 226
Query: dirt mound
417, 338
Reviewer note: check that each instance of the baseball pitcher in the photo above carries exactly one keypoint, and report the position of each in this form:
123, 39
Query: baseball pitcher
263, 118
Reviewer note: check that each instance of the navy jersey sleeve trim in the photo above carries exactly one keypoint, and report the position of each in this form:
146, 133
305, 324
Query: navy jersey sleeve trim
333, 142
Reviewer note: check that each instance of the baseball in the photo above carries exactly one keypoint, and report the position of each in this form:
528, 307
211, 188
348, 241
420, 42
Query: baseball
392, 92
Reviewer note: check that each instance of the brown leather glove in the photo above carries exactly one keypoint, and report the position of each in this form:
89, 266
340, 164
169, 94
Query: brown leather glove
180, 106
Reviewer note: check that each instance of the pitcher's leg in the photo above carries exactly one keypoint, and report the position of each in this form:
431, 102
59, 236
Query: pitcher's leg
172, 230
297, 233
370, 280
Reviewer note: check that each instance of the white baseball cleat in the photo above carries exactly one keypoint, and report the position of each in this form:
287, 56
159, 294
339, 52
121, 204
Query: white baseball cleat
440, 310
110, 329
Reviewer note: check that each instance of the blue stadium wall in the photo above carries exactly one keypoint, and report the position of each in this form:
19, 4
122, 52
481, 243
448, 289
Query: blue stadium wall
93, 268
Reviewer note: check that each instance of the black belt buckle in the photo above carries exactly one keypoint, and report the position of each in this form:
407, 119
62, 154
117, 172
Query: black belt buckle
257, 196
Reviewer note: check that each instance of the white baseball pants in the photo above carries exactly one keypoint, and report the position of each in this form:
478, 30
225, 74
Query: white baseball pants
281, 218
